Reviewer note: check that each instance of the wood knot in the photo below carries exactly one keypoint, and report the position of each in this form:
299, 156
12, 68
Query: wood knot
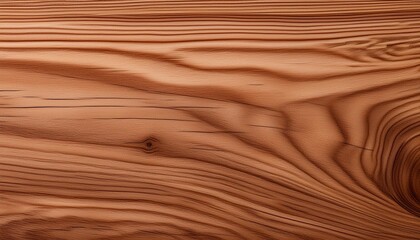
149, 145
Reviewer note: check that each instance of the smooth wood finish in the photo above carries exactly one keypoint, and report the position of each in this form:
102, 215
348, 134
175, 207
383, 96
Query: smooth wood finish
209, 120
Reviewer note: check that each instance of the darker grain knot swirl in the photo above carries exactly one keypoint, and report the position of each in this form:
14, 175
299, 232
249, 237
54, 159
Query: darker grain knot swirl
149, 145
398, 155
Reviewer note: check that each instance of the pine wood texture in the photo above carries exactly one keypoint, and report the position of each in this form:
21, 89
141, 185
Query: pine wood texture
210, 120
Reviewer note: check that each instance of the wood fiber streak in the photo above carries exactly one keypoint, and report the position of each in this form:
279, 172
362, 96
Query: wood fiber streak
212, 120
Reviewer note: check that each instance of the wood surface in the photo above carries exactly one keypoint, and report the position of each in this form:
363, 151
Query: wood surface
209, 120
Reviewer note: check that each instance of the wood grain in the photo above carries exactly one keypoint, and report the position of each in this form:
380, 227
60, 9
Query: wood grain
259, 120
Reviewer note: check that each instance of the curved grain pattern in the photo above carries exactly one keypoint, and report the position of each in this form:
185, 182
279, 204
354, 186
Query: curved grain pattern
209, 120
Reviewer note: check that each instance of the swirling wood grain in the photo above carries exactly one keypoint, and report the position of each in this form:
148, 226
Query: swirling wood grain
209, 120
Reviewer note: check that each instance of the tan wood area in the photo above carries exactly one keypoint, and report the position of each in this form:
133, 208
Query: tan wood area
209, 120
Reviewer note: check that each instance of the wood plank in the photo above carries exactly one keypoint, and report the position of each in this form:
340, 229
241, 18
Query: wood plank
209, 120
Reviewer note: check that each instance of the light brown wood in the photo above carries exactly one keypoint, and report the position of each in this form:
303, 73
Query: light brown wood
209, 120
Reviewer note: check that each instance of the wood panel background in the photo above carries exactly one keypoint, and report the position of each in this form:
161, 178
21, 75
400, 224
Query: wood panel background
210, 120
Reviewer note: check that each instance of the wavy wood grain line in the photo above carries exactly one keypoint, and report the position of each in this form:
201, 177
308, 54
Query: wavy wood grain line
209, 120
